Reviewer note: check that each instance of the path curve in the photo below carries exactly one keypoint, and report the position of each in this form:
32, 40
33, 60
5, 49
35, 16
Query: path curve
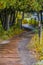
27, 58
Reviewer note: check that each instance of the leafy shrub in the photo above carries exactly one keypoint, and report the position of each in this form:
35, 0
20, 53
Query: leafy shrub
1, 29
38, 47
33, 22
24, 21
10, 33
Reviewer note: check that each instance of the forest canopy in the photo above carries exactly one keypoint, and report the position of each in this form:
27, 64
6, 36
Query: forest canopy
24, 5
8, 9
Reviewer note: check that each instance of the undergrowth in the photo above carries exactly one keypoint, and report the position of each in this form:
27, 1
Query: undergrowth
36, 46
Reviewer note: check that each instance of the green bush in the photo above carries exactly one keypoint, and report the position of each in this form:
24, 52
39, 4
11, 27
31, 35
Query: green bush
1, 29
14, 30
24, 21
30, 22
33, 22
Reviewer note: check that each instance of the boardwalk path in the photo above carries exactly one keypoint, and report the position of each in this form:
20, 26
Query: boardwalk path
16, 53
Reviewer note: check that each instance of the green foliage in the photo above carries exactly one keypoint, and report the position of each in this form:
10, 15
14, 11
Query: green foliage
0, 26
2, 4
33, 22
36, 46
1, 29
36, 6
24, 21
15, 30
40, 3
24, 5
7, 3
19, 16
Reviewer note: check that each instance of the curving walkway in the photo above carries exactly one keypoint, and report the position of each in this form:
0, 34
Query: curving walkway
16, 53
27, 57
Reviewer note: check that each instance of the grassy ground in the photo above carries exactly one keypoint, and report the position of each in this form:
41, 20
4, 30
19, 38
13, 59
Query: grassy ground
36, 46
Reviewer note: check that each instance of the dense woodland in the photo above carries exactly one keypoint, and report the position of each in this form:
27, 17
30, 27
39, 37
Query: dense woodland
10, 8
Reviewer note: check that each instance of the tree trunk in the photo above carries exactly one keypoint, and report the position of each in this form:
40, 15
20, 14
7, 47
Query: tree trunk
7, 22
38, 15
22, 18
22, 15
12, 18
41, 17
2, 18
16, 13
7, 18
